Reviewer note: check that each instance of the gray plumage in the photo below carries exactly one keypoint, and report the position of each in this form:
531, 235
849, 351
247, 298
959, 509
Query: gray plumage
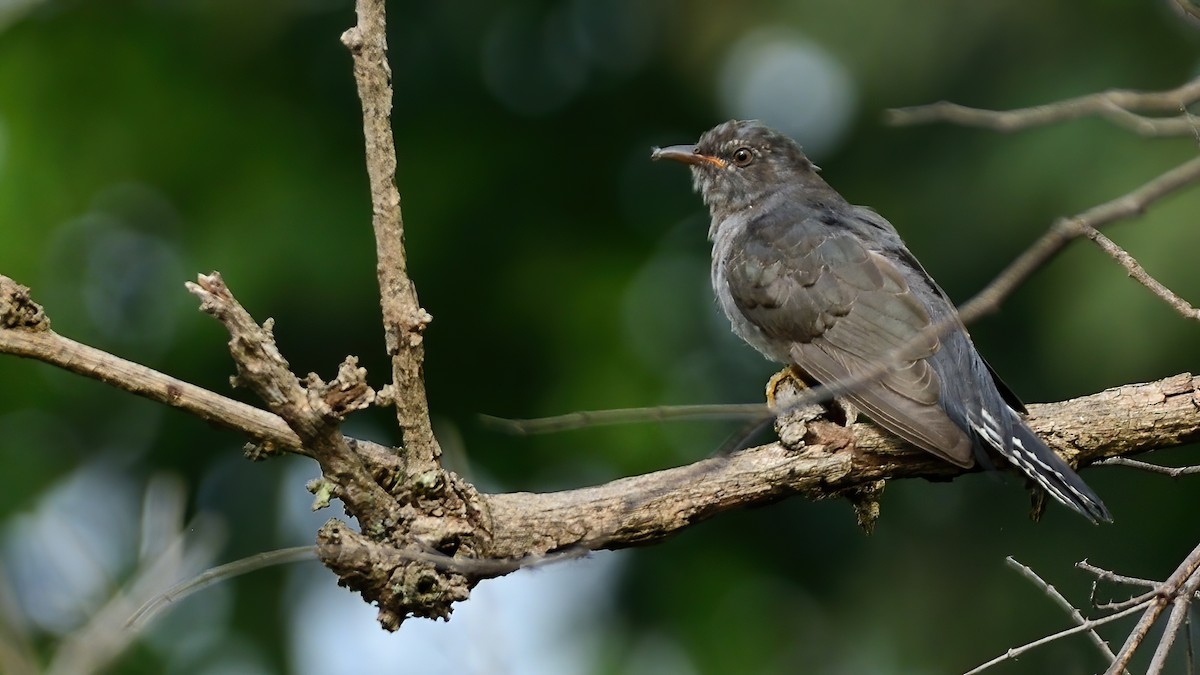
810, 280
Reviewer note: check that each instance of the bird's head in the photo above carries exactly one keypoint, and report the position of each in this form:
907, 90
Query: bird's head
738, 164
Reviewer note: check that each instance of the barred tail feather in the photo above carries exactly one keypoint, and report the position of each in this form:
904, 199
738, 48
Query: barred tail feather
1049, 471
1025, 451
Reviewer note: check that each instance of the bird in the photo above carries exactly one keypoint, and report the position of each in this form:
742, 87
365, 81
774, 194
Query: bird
831, 290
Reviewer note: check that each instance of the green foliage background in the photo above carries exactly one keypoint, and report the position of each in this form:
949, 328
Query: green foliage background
143, 142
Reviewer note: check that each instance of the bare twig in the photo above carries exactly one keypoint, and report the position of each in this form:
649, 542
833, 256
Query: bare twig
1015, 652
1175, 623
404, 319
1116, 105
1112, 577
1178, 590
1066, 229
1139, 274
1106, 575
153, 606
1172, 471
1175, 584
1132, 601
596, 418
1062, 602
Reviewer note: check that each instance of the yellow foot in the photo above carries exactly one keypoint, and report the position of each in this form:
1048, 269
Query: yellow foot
787, 375
789, 382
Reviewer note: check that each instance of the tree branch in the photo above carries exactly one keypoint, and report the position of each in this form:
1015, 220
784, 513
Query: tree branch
835, 461
1116, 105
397, 511
1177, 591
408, 511
1067, 229
404, 319
313, 410
832, 461
1139, 274
1172, 471
824, 460
29, 336
1062, 602
1179, 583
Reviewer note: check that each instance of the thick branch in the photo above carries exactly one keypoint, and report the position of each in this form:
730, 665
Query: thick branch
404, 320
641, 509
824, 460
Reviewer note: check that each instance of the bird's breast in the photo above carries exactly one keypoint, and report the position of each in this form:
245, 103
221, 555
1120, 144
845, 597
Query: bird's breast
723, 250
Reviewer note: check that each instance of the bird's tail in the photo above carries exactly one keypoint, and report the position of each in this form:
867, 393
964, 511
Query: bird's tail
1033, 458
1017, 443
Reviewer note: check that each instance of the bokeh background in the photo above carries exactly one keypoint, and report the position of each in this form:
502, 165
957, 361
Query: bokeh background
143, 142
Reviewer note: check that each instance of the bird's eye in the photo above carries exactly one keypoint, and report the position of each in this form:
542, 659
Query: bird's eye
742, 156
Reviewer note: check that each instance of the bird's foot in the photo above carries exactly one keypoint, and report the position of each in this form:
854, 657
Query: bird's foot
792, 417
776, 388
788, 384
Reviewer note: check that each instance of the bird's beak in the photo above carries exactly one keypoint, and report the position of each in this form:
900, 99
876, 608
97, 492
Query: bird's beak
688, 154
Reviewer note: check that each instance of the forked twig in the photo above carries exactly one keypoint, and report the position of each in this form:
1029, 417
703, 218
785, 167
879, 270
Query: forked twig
1058, 599
1180, 581
1089, 625
1067, 229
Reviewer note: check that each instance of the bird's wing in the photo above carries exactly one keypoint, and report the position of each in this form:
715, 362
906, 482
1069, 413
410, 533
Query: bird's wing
845, 309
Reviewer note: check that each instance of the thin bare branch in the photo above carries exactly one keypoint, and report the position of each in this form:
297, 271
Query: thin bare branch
404, 319
1062, 602
1016, 652
1118, 606
1066, 229
1105, 575
1139, 274
1112, 577
1175, 623
596, 418
1172, 471
155, 605
1167, 592
1115, 105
